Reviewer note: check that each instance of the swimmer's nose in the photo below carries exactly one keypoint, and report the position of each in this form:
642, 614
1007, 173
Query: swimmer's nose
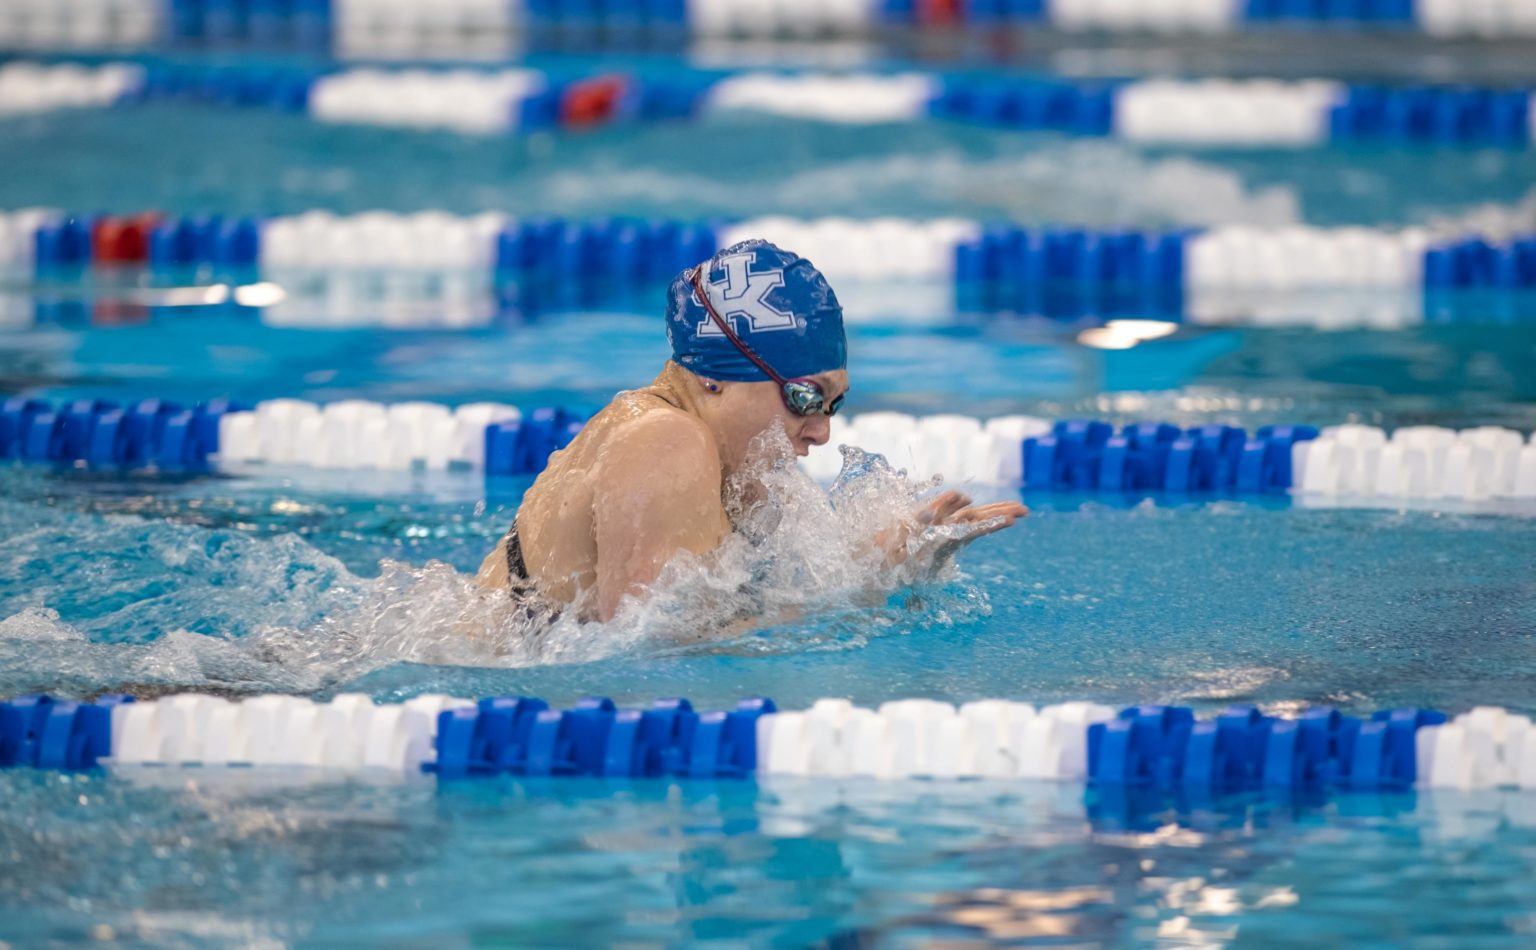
818, 429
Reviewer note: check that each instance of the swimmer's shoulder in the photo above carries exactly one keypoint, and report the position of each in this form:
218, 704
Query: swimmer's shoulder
660, 440
647, 400
650, 413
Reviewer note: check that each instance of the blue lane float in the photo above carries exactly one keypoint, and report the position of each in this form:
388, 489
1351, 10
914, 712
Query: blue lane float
1072, 274
1028, 105
1474, 279
1475, 263
523, 446
553, 263
236, 87
1440, 116
1242, 749
1348, 13
1090, 456
45, 733
102, 433
523, 736
301, 23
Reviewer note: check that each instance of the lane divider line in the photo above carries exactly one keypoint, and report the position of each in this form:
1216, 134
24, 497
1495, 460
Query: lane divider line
1213, 112
1325, 277
1161, 747
1076, 456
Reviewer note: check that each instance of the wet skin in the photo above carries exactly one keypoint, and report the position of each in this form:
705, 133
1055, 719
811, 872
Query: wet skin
643, 480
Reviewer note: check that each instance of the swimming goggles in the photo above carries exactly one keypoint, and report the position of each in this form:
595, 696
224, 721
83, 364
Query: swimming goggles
802, 396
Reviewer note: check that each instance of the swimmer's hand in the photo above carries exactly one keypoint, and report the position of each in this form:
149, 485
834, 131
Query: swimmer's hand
955, 508
952, 510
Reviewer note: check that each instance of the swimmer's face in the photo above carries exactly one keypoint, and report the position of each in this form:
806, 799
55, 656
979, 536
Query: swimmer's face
752, 408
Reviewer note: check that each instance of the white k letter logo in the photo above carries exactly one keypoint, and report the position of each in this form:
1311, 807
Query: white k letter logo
744, 294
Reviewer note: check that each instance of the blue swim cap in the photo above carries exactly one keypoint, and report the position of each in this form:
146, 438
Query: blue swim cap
776, 301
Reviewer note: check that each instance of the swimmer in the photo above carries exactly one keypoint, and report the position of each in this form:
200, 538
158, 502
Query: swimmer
757, 341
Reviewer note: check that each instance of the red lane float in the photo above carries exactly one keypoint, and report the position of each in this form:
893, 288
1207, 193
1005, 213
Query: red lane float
123, 239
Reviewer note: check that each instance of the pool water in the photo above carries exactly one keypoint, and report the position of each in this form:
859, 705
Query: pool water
189, 859
168, 584
1206, 603
323, 582
1455, 374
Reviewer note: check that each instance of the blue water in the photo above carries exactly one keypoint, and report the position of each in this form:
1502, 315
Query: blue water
191, 860
1443, 374
156, 583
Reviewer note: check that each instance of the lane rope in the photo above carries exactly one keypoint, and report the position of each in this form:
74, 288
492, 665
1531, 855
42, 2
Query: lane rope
466, 270
1259, 113
1162, 747
1079, 456
470, 26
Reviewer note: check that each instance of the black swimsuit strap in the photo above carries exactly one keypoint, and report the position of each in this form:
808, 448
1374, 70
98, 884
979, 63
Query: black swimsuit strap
525, 595
517, 568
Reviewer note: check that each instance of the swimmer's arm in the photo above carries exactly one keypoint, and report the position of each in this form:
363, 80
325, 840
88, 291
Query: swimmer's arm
493, 574
657, 494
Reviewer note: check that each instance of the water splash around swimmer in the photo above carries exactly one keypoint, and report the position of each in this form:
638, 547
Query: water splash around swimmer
798, 575
802, 569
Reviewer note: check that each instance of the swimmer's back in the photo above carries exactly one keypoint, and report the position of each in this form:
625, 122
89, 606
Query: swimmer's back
556, 522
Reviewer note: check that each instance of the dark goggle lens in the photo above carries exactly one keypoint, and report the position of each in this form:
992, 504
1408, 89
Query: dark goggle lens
806, 399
